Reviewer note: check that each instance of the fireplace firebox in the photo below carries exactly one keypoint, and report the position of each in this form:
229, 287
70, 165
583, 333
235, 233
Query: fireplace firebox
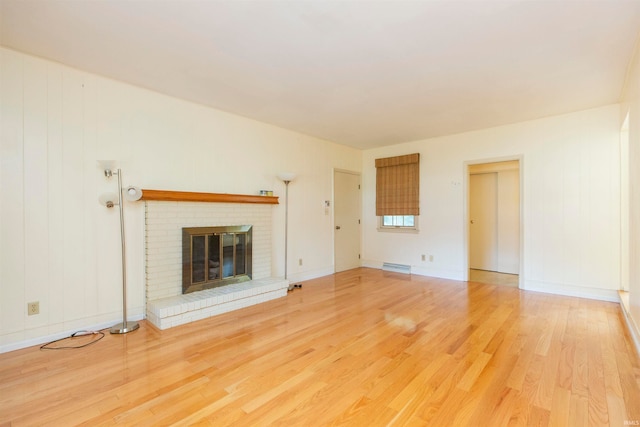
215, 256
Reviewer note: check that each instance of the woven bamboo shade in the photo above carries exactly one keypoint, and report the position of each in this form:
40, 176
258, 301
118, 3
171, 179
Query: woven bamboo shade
398, 185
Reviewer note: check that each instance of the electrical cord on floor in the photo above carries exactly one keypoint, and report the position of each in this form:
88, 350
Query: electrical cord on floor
99, 335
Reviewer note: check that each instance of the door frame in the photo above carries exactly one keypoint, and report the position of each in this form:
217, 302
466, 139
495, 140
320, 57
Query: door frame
466, 216
333, 213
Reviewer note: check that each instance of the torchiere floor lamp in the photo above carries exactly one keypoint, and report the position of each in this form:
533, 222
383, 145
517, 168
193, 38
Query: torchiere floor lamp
132, 194
286, 177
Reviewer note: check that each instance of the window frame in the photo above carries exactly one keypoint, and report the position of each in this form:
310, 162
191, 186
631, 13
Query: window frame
399, 228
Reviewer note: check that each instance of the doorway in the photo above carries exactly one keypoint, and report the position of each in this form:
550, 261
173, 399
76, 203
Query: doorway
494, 222
346, 213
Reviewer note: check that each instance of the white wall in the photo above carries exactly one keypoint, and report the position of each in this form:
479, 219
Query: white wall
60, 247
632, 107
570, 192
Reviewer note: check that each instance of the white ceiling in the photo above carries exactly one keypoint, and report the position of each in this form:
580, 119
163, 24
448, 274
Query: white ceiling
360, 73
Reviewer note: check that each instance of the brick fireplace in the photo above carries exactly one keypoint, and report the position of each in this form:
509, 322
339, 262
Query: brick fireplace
164, 223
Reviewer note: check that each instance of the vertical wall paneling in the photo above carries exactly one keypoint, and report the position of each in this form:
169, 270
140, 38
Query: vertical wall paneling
55, 191
551, 250
533, 219
110, 107
36, 233
12, 290
89, 177
632, 215
73, 195
624, 205
583, 273
569, 179
614, 207
610, 274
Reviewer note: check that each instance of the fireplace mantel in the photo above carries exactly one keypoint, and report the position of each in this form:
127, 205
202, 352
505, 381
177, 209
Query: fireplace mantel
188, 196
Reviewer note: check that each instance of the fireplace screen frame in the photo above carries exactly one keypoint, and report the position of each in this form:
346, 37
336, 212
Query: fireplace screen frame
235, 234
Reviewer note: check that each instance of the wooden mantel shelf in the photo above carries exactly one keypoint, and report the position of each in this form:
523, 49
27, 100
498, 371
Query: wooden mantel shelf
187, 196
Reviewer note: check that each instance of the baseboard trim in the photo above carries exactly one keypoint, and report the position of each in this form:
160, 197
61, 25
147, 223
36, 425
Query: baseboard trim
308, 275
572, 291
634, 331
439, 273
420, 271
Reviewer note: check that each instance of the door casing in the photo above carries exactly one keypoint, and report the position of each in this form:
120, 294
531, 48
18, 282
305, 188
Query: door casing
466, 219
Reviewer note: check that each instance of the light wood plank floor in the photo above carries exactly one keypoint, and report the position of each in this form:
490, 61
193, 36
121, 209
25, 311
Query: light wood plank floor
493, 278
359, 348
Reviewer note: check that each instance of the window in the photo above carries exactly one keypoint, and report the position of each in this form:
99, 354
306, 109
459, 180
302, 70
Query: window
397, 192
398, 221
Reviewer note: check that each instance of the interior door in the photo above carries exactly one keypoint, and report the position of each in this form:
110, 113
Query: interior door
509, 221
483, 227
346, 211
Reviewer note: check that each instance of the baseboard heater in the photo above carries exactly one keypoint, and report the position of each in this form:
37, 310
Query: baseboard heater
396, 268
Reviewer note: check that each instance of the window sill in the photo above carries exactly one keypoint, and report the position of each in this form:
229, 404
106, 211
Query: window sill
402, 230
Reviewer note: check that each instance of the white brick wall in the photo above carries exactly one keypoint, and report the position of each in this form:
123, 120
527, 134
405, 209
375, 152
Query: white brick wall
163, 228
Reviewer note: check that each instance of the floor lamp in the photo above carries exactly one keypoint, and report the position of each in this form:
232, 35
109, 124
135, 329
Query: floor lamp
286, 177
132, 194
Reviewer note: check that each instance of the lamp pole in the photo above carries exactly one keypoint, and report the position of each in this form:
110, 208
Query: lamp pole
286, 225
286, 177
124, 327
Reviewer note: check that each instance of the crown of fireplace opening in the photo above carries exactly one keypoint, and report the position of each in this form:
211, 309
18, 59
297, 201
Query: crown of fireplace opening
215, 256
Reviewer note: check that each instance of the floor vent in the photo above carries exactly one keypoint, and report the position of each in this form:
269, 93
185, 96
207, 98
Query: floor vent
396, 268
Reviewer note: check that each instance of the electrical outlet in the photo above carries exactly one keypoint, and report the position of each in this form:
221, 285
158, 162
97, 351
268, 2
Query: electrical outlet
430, 258
424, 257
300, 261
33, 308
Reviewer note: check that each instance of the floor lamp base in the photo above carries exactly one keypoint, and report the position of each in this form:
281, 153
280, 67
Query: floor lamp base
123, 328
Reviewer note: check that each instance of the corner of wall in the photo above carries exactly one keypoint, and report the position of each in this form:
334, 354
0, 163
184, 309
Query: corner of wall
632, 326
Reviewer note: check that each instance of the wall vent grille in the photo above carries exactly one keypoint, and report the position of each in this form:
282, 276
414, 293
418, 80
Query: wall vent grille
396, 268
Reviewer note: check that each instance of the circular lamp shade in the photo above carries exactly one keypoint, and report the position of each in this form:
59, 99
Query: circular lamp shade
287, 176
132, 193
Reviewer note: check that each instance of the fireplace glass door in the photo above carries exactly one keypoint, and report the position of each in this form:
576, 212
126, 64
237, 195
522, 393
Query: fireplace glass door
214, 256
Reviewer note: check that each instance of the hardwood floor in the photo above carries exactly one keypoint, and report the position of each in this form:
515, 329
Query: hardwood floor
359, 348
493, 278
